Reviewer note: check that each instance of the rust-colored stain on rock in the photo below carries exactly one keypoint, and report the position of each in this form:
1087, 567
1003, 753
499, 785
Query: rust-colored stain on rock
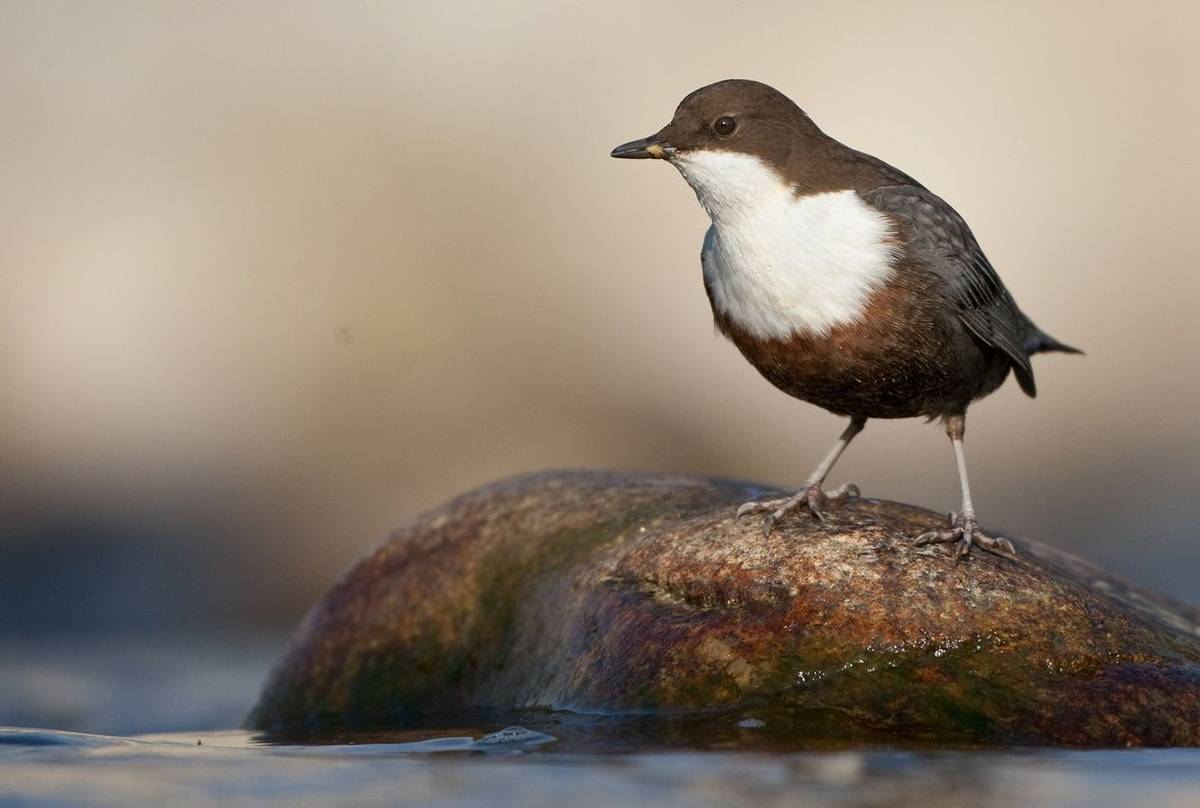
606, 592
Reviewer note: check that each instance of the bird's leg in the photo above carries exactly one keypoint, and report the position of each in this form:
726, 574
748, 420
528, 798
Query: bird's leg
964, 528
810, 496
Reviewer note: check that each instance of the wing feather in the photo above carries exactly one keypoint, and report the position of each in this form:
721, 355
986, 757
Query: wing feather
939, 239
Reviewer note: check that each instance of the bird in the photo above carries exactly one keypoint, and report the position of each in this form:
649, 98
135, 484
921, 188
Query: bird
845, 282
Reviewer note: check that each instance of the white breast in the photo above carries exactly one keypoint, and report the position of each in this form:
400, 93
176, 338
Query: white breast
779, 264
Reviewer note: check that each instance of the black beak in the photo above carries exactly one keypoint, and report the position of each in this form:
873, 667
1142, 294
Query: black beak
648, 147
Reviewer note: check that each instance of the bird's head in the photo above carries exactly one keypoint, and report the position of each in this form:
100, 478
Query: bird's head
725, 132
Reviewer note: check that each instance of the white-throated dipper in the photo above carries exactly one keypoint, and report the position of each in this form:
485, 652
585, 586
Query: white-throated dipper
843, 280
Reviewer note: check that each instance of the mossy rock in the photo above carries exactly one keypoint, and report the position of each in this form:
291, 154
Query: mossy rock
606, 593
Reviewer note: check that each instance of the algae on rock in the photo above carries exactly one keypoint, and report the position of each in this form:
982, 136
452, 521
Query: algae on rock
607, 592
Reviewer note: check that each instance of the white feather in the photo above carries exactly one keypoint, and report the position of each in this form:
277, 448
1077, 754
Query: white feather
780, 264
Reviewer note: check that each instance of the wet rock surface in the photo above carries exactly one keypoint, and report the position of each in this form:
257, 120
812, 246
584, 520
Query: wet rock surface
606, 593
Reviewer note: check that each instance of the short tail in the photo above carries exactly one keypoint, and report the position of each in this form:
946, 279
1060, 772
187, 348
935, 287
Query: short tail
1038, 341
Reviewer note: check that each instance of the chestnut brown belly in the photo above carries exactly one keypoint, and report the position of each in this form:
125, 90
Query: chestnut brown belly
879, 368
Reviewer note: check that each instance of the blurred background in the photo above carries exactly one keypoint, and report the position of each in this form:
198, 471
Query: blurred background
275, 277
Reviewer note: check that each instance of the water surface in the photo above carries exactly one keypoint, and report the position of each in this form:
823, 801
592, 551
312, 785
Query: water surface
126, 691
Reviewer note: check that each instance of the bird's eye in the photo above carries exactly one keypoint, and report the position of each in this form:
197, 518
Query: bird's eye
724, 126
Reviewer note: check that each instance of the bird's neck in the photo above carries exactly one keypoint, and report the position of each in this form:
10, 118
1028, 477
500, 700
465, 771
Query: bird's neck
731, 187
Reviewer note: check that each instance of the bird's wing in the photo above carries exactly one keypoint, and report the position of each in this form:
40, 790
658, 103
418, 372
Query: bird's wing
940, 240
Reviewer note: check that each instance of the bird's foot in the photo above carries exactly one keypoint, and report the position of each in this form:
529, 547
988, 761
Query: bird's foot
964, 530
810, 497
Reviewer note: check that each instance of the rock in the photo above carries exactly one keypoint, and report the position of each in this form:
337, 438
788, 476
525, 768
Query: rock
601, 592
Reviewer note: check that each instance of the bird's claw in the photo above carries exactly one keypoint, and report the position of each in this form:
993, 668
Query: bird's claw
964, 530
811, 497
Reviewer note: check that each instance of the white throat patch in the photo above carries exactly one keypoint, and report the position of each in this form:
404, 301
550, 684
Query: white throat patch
779, 264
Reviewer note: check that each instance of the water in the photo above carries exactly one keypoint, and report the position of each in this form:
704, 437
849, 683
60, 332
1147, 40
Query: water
145, 687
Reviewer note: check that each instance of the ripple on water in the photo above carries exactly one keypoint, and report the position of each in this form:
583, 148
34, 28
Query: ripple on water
50, 768
22, 737
513, 738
